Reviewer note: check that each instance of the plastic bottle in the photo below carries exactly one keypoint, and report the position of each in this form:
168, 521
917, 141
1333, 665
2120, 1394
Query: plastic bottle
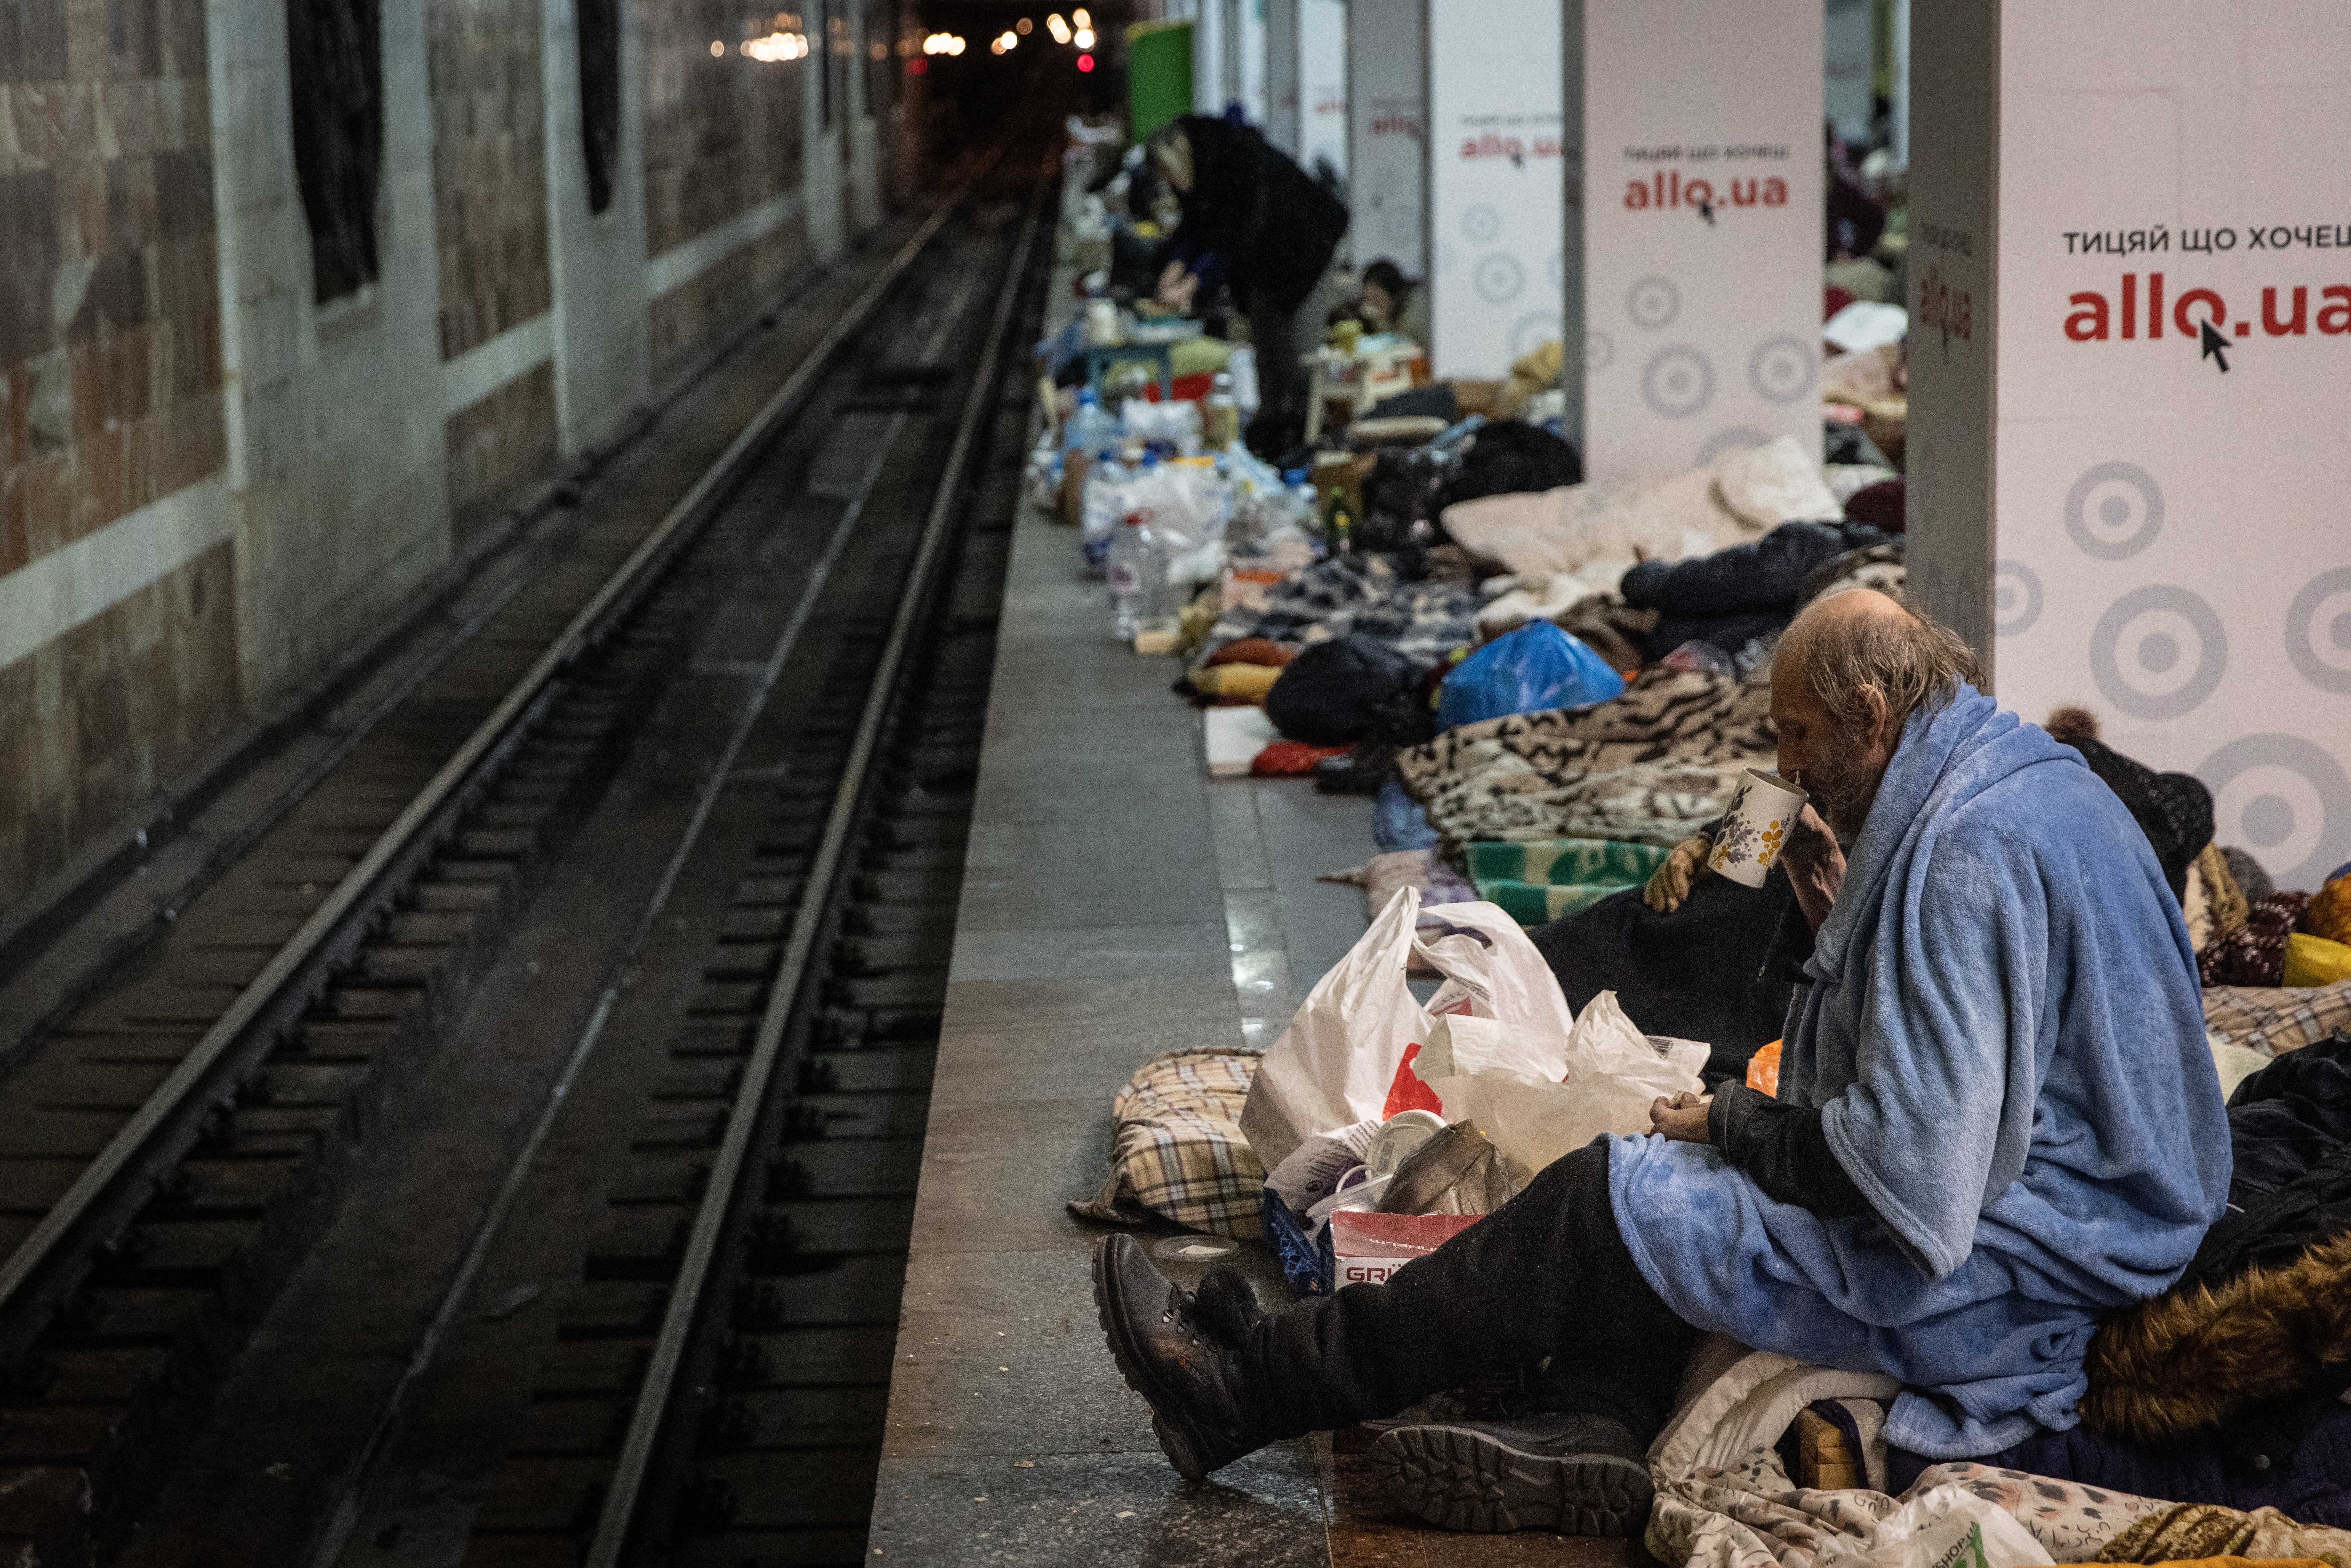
1242, 368
1301, 496
1137, 574
1220, 413
1091, 427
1338, 522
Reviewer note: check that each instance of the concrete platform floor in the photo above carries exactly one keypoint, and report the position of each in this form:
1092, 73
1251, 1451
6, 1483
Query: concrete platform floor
1117, 904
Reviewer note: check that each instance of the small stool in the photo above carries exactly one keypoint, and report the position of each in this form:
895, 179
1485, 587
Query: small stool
1099, 357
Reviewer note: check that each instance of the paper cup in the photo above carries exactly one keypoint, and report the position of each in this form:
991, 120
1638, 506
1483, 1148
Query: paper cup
1749, 840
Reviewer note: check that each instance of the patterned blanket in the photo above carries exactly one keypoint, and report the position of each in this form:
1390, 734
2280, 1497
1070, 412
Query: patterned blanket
1651, 766
1428, 618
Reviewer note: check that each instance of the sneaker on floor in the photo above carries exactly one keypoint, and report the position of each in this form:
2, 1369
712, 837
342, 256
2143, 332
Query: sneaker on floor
1579, 1475
1166, 1353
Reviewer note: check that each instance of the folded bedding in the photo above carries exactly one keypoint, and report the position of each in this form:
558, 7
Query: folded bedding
1362, 592
1650, 766
2311, 1483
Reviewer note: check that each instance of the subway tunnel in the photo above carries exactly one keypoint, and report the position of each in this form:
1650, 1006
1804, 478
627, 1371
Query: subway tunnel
945, 781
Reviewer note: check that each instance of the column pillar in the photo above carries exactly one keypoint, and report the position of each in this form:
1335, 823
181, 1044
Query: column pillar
1387, 183
1694, 230
2112, 516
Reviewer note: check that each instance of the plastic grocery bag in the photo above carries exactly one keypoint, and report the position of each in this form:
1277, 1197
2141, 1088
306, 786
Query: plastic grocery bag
1343, 1059
1607, 1075
1536, 667
1945, 1527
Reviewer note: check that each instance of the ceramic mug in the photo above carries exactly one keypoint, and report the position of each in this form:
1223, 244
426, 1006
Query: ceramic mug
1749, 840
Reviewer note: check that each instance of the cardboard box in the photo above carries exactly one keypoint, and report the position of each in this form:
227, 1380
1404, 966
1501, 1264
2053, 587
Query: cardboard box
1365, 1248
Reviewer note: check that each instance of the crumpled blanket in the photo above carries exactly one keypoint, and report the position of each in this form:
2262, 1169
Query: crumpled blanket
2274, 1019
1361, 592
1650, 766
1728, 502
1750, 1515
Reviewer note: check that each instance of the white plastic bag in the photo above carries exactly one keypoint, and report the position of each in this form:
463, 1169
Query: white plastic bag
1605, 1078
1344, 1056
1945, 1527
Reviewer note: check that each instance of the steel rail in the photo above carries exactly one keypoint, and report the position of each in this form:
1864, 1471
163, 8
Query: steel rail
618, 1513
103, 1184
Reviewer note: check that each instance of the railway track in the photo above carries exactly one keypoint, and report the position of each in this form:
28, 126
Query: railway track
172, 1150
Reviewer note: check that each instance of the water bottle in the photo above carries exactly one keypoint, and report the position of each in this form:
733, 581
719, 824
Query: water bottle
1242, 368
1301, 496
1220, 413
1137, 574
1091, 427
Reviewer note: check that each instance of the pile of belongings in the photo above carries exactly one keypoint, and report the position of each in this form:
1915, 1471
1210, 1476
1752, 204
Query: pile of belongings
1385, 1125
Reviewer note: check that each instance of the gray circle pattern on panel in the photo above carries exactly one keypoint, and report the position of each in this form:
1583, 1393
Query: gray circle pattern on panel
1782, 369
2157, 652
1532, 332
1481, 224
1499, 278
1677, 381
2318, 642
2015, 598
2273, 817
2098, 530
1722, 443
1652, 302
1599, 350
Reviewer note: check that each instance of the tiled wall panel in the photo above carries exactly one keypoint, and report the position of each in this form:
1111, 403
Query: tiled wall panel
109, 399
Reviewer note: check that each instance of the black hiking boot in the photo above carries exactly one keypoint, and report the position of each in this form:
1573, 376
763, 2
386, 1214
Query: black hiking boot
1579, 1475
1168, 1355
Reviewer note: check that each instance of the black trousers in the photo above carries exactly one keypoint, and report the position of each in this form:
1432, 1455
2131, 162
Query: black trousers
1545, 1276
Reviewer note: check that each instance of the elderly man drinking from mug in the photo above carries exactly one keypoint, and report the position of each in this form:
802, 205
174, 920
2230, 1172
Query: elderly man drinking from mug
1951, 1187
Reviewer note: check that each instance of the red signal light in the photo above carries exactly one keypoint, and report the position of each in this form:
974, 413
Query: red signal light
1085, 62
917, 68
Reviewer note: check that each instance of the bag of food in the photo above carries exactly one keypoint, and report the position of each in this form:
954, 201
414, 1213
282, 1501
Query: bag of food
1343, 1060
1608, 1074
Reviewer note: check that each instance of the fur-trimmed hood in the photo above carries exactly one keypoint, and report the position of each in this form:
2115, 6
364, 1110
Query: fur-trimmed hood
2192, 1357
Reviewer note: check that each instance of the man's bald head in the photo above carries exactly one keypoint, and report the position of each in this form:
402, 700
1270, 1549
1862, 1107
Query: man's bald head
1850, 644
1846, 678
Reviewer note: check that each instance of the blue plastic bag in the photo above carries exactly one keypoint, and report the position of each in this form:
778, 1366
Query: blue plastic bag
1529, 670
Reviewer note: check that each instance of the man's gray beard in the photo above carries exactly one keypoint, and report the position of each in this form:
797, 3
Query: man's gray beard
1842, 786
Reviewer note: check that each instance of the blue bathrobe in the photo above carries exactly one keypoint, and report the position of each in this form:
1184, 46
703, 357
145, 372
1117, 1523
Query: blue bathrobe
2005, 1034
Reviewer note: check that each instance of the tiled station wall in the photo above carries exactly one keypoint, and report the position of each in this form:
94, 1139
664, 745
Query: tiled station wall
211, 482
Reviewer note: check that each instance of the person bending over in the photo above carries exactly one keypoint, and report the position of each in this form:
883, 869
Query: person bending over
1997, 1119
1273, 230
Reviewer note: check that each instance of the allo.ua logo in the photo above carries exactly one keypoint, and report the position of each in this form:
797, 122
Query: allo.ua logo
2199, 317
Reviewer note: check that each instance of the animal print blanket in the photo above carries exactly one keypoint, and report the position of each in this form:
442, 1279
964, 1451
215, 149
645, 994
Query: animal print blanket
1650, 766
1363, 594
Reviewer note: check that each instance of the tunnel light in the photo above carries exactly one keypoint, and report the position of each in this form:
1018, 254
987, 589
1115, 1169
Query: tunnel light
1024, 26
778, 47
1010, 40
1085, 62
944, 44
717, 49
1077, 18
1085, 36
1059, 28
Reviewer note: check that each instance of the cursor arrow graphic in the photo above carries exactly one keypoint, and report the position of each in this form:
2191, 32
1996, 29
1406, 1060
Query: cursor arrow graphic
2216, 347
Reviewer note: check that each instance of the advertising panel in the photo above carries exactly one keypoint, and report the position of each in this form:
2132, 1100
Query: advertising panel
1496, 182
1321, 83
2173, 364
1388, 172
1702, 230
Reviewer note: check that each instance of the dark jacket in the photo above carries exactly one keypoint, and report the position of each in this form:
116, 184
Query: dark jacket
1272, 223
